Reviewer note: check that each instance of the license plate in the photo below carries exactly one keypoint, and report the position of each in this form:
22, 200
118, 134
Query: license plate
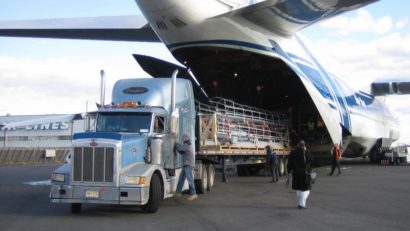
91, 193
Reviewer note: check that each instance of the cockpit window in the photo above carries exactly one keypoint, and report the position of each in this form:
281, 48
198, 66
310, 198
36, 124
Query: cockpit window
124, 122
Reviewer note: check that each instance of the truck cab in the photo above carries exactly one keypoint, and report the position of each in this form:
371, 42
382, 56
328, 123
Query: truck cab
127, 156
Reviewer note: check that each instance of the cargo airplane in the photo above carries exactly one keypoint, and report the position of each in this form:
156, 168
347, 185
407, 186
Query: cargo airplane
251, 52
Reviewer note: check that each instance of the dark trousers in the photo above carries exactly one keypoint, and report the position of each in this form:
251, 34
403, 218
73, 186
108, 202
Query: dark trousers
274, 172
396, 161
335, 164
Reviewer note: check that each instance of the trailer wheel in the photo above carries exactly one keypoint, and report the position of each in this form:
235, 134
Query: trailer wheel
201, 185
211, 176
154, 195
75, 207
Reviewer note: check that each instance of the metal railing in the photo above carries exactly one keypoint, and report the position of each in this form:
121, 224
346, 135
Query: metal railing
227, 122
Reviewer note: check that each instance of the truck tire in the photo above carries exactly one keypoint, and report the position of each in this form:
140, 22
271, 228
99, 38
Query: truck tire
202, 184
154, 195
75, 207
211, 176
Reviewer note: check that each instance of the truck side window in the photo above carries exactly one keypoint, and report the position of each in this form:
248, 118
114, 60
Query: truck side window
159, 124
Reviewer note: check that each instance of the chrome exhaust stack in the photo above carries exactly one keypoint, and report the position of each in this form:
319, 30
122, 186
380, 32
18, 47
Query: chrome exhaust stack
174, 112
170, 164
102, 88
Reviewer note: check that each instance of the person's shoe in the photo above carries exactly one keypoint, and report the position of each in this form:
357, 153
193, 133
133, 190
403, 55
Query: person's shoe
300, 207
193, 197
329, 174
339, 174
177, 194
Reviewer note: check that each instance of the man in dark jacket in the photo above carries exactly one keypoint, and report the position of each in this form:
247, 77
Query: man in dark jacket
272, 162
299, 165
188, 161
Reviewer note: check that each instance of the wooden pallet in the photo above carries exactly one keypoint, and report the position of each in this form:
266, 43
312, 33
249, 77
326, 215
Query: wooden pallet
230, 149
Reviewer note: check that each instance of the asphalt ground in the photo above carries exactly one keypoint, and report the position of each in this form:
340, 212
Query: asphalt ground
364, 197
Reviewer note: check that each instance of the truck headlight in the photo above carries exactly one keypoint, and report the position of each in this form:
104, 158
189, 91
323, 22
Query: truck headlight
57, 177
135, 180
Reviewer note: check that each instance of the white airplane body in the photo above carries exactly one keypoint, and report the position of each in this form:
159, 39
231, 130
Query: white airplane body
239, 46
216, 24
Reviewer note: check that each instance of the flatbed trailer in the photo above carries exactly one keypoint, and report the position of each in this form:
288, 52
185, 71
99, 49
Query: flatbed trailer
228, 130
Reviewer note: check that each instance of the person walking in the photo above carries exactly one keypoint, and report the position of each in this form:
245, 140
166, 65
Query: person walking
395, 158
299, 165
336, 157
188, 160
272, 162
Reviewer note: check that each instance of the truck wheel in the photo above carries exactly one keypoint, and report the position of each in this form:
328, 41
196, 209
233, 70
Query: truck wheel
211, 176
202, 184
154, 195
76, 208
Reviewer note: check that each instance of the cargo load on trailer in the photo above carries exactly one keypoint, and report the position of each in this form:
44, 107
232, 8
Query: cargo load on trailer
229, 127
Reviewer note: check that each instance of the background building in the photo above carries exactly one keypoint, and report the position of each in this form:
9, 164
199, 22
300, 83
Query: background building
39, 131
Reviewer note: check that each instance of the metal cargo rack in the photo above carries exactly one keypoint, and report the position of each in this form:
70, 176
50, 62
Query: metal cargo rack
229, 127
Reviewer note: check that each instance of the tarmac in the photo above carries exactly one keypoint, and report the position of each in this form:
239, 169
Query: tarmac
364, 197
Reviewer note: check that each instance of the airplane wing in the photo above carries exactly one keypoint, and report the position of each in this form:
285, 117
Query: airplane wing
113, 28
390, 87
289, 16
285, 17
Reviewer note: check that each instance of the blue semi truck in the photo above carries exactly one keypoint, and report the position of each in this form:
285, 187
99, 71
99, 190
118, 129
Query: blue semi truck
128, 155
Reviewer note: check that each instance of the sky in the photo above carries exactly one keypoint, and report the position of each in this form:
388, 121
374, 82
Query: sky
55, 76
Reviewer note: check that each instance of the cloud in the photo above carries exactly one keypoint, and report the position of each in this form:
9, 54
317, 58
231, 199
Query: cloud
382, 53
363, 22
402, 23
58, 85
383, 57
45, 76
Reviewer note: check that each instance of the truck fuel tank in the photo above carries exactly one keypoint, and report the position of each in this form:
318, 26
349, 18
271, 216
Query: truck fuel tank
157, 150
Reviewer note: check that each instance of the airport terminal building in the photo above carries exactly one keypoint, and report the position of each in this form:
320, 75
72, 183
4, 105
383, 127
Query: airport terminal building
39, 131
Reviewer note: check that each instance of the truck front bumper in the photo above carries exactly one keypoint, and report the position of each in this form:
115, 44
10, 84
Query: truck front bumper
99, 194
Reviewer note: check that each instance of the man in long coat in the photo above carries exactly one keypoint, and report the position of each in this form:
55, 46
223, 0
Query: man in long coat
299, 164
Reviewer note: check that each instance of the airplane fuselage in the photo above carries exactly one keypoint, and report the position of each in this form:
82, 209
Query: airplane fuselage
208, 37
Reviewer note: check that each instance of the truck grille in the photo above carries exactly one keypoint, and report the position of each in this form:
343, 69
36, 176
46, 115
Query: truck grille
93, 164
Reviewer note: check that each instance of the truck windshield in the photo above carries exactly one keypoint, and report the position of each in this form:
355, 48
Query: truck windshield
124, 122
